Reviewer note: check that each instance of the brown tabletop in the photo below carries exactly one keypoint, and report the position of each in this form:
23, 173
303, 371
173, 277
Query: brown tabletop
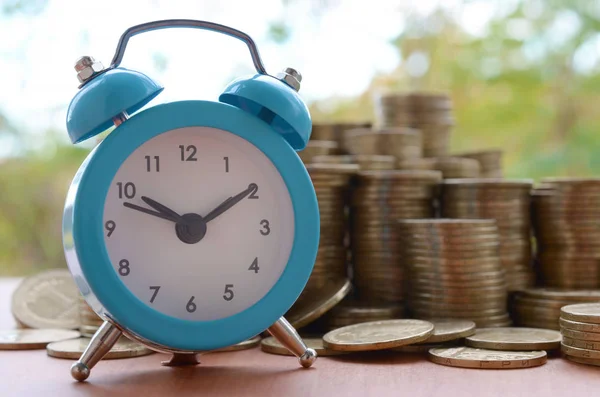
254, 373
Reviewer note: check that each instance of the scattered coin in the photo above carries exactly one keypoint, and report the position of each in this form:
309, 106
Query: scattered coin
272, 345
47, 300
420, 347
514, 339
378, 335
469, 357
305, 312
449, 330
73, 349
582, 312
29, 339
244, 345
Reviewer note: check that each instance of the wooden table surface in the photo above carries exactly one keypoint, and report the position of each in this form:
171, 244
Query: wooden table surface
254, 373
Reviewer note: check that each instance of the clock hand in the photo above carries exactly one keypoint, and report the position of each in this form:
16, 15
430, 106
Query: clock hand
147, 211
227, 204
163, 209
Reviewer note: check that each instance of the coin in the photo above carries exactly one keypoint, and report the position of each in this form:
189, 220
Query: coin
578, 352
421, 347
301, 315
582, 360
582, 312
378, 335
449, 330
469, 357
514, 339
47, 300
580, 335
582, 344
26, 339
73, 349
243, 345
272, 345
579, 326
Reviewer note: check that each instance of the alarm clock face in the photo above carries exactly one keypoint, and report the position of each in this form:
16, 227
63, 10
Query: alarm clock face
198, 223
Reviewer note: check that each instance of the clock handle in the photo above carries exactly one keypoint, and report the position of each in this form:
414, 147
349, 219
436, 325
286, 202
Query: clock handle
187, 23
102, 341
285, 333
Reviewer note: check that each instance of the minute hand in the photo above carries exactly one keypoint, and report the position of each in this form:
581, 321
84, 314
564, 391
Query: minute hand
227, 204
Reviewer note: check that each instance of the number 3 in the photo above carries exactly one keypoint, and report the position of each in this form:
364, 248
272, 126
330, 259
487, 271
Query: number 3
266, 230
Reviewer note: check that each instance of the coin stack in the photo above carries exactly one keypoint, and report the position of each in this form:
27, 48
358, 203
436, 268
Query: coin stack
403, 143
540, 307
489, 160
430, 113
379, 199
336, 132
365, 162
566, 218
580, 329
454, 270
89, 322
328, 283
457, 167
352, 311
317, 148
506, 201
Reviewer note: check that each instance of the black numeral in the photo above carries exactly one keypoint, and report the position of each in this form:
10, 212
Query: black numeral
155, 288
266, 230
226, 163
110, 226
149, 163
128, 190
191, 306
228, 295
124, 269
254, 265
254, 188
190, 150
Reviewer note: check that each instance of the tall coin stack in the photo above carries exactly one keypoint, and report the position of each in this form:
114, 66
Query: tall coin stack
379, 199
506, 201
335, 132
566, 217
580, 329
328, 283
427, 112
455, 270
489, 160
540, 307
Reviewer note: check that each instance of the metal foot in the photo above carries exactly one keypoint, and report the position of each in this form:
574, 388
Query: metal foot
101, 343
283, 331
181, 359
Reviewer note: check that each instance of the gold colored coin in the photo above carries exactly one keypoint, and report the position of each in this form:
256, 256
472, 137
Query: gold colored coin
73, 349
585, 361
468, 357
582, 344
27, 339
272, 345
514, 339
47, 300
420, 347
449, 330
301, 315
578, 352
243, 345
585, 336
582, 312
378, 335
578, 326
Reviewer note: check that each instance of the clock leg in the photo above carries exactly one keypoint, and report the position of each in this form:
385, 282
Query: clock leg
283, 331
101, 343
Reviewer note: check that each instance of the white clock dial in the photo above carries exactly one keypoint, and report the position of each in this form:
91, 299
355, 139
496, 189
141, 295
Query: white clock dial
194, 267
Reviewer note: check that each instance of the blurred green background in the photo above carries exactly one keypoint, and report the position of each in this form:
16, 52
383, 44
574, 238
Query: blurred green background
527, 82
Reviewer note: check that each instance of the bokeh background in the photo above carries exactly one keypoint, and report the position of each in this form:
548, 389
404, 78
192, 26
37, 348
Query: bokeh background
524, 76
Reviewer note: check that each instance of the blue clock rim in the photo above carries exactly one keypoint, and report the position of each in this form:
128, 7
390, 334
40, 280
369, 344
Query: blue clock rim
88, 230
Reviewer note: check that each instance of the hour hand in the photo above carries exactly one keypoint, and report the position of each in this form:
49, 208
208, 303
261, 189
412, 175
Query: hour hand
148, 211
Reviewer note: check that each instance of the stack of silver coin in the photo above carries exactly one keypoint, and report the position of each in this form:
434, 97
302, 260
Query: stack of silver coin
454, 270
378, 200
566, 218
508, 202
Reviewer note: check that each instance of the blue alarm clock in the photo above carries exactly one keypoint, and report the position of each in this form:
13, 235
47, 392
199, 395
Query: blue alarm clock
193, 225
